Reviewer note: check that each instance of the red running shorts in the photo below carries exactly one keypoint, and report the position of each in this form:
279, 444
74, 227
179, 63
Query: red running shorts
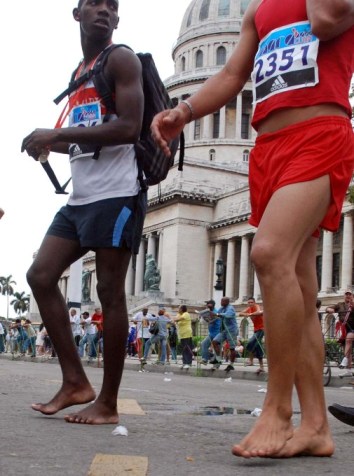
300, 153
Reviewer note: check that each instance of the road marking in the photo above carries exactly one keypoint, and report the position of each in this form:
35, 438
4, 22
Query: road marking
128, 406
118, 465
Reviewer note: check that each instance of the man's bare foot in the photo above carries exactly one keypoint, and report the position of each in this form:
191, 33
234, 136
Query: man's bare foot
96, 414
268, 436
308, 442
66, 397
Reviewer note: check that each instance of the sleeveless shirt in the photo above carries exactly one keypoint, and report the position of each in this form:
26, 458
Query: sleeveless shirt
292, 67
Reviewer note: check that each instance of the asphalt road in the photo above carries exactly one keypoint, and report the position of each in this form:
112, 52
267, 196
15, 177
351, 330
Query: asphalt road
187, 427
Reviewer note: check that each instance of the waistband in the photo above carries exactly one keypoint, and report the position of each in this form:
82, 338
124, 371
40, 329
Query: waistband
304, 125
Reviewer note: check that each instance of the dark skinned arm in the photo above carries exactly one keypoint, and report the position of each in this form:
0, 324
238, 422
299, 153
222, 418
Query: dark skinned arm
124, 73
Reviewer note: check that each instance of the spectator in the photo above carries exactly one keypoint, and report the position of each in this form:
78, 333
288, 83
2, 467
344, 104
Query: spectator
185, 333
344, 309
97, 320
254, 345
214, 324
131, 341
40, 340
21, 336
172, 340
31, 338
75, 325
160, 338
141, 319
89, 338
2, 338
228, 332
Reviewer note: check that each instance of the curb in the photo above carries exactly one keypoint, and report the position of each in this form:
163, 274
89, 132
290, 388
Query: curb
240, 372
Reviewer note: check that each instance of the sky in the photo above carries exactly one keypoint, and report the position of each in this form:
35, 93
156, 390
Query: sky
40, 48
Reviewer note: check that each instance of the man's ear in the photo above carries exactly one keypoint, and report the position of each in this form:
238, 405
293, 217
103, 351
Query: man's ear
117, 23
76, 14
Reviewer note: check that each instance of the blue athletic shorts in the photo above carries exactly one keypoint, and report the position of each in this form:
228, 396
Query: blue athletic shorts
110, 223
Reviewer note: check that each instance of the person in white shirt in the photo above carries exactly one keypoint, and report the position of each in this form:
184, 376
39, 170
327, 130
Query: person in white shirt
76, 328
141, 319
90, 332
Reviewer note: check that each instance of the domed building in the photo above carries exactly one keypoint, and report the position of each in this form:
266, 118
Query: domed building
196, 230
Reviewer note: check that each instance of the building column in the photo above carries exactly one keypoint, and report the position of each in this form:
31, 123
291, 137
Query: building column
327, 262
151, 246
230, 269
206, 127
222, 126
256, 288
139, 271
75, 285
129, 280
238, 116
347, 252
244, 269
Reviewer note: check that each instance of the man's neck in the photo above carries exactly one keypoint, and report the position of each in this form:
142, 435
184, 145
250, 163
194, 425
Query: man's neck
91, 49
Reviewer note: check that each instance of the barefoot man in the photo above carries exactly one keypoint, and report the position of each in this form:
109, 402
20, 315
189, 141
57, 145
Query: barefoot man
105, 213
300, 54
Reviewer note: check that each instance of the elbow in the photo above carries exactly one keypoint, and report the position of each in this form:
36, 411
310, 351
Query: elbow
326, 25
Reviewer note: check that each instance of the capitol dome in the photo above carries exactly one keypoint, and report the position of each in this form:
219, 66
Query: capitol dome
208, 16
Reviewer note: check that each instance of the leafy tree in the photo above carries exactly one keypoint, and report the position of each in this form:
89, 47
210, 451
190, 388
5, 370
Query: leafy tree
20, 303
7, 289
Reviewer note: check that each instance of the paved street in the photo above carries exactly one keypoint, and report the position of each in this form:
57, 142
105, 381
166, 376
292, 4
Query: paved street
179, 424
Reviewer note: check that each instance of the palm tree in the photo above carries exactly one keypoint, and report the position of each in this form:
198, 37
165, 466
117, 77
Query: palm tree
7, 289
20, 303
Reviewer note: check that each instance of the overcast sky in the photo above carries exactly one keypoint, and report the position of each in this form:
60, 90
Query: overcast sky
40, 48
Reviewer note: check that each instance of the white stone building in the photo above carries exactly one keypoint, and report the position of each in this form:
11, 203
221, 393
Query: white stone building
199, 216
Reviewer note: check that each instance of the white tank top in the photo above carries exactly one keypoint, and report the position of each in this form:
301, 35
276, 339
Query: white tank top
115, 173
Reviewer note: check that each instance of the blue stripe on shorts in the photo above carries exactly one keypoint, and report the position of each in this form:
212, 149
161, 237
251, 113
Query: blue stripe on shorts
119, 225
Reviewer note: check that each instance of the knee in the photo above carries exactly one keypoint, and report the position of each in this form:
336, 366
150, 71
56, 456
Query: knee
267, 259
39, 278
109, 294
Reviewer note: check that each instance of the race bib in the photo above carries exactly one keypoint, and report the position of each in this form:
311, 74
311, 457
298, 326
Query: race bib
84, 115
286, 59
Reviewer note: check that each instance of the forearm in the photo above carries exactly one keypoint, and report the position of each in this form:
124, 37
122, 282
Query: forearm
111, 133
330, 18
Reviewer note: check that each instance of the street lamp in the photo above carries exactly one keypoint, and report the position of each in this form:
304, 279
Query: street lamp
219, 273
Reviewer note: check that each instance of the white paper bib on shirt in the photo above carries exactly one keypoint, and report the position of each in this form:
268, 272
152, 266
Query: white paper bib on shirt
286, 59
87, 115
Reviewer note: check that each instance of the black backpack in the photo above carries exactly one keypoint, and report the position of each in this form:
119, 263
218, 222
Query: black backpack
151, 160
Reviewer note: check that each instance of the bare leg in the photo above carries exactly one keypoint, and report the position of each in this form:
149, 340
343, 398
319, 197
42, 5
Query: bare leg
54, 256
111, 268
313, 436
292, 215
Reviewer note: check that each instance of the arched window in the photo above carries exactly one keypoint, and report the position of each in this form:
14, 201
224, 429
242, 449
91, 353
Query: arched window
183, 63
224, 8
204, 10
221, 56
189, 21
245, 156
212, 155
199, 59
244, 5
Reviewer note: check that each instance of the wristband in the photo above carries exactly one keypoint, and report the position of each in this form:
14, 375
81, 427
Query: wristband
190, 108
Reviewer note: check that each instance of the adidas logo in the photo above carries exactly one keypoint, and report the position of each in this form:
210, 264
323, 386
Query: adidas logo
77, 151
279, 83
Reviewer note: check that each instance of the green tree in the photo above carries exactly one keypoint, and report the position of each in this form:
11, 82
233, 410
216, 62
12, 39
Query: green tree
20, 303
7, 289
